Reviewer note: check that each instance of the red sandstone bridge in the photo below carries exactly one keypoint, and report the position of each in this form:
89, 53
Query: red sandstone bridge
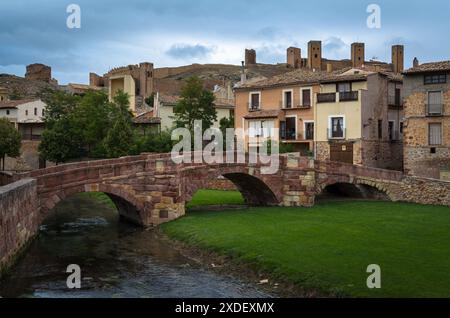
150, 189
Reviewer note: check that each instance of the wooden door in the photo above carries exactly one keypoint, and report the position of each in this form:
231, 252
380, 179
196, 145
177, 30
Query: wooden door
341, 152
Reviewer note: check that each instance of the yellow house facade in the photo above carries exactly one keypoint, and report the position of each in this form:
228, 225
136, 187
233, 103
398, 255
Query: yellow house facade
359, 119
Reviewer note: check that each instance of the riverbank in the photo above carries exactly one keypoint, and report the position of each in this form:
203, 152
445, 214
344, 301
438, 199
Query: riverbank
325, 250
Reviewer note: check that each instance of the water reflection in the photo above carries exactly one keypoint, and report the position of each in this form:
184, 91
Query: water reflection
116, 260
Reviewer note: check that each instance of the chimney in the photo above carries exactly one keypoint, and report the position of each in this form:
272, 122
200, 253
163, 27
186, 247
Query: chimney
250, 57
415, 62
294, 57
329, 67
357, 54
398, 58
315, 55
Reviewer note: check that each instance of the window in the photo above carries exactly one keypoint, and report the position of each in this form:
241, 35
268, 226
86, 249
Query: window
391, 130
435, 79
290, 128
435, 134
398, 95
255, 101
254, 128
306, 97
337, 127
35, 111
344, 87
43, 113
259, 128
26, 112
267, 128
401, 128
287, 99
380, 129
434, 107
7, 112
309, 130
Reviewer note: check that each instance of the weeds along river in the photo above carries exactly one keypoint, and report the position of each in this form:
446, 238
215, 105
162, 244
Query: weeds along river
116, 260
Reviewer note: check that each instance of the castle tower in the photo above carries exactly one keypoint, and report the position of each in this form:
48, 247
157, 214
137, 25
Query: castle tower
398, 58
146, 79
294, 57
357, 54
250, 57
315, 55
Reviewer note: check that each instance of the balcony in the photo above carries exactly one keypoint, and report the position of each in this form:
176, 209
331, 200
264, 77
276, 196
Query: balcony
336, 134
326, 98
348, 96
435, 109
253, 107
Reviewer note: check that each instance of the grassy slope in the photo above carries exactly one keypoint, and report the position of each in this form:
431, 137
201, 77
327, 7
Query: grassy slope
330, 246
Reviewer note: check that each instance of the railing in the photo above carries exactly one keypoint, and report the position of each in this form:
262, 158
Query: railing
326, 98
336, 134
348, 96
253, 107
435, 109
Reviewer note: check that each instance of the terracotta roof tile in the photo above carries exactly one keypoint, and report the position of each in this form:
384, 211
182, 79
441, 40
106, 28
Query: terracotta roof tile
146, 118
15, 103
442, 66
263, 114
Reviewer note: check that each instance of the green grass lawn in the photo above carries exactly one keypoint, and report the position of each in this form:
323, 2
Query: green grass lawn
216, 197
328, 247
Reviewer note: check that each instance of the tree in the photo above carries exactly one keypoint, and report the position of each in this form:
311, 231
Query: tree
226, 123
59, 104
61, 143
196, 103
92, 119
120, 139
10, 141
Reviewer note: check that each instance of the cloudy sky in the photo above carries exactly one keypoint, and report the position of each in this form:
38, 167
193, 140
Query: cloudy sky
178, 32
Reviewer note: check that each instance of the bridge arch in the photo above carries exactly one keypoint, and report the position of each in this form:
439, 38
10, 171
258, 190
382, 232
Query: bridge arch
128, 207
256, 189
348, 186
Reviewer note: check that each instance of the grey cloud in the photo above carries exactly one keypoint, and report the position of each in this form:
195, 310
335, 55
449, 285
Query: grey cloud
182, 51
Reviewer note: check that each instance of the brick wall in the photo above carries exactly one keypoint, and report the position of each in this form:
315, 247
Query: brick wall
19, 218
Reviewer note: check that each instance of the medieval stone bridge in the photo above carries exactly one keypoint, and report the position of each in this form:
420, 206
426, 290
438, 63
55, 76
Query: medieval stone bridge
151, 189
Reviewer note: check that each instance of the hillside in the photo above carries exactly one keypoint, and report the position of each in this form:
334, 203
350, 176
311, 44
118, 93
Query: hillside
170, 80
22, 87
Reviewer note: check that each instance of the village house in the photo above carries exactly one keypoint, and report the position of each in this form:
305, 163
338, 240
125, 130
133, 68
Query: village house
358, 116
427, 120
26, 115
352, 114
164, 106
284, 102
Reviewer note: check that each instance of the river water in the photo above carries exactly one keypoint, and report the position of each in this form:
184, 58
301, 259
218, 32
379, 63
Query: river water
116, 260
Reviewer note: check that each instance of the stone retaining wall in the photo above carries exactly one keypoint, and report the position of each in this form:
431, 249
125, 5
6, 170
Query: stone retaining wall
19, 219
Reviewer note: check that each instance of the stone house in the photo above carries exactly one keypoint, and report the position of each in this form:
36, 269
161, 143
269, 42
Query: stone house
427, 120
